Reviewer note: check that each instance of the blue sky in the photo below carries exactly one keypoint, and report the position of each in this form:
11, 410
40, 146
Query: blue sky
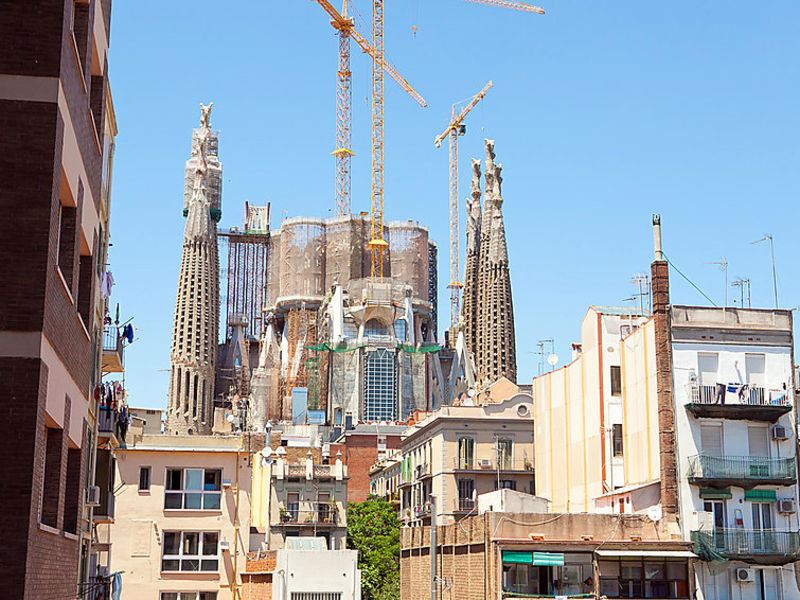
603, 113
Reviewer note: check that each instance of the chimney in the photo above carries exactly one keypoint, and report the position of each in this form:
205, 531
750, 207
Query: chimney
667, 445
657, 237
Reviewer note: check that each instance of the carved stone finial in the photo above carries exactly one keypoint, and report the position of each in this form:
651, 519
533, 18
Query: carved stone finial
489, 144
205, 114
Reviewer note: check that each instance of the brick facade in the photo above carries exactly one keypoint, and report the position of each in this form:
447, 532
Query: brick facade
360, 453
257, 578
51, 161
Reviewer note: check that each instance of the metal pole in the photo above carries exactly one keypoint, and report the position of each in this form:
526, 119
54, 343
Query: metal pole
433, 547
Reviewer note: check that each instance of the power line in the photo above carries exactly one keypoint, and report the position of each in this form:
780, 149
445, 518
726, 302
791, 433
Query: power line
702, 293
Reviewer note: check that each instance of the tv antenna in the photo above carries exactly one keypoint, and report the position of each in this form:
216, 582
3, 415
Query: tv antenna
546, 355
768, 238
744, 290
723, 265
643, 281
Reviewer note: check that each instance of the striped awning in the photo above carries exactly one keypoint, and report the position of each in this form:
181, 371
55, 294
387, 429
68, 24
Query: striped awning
760, 495
555, 559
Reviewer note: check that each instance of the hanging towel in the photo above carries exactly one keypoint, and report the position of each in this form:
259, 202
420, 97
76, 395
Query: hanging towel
106, 281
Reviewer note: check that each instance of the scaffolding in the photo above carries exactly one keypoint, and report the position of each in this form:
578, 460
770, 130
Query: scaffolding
248, 257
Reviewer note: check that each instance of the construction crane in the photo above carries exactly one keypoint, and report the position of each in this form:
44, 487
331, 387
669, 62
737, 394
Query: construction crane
513, 5
346, 31
454, 129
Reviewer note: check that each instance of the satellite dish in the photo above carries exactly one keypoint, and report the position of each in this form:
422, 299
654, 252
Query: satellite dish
552, 360
265, 462
229, 418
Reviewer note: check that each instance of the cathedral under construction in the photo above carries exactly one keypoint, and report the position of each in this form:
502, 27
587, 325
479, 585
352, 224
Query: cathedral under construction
310, 335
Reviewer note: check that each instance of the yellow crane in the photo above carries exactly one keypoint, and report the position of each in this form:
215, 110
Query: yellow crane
346, 31
454, 129
514, 5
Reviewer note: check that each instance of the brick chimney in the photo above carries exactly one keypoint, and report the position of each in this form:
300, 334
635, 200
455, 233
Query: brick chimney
659, 270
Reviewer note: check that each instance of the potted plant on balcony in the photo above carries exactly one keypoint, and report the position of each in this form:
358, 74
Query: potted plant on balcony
285, 515
309, 518
528, 465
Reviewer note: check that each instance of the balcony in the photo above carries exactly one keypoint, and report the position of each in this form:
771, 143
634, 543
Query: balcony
763, 547
324, 472
464, 505
323, 515
754, 404
112, 350
519, 465
741, 471
105, 512
96, 588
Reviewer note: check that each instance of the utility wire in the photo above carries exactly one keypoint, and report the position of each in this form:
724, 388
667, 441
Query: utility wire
702, 293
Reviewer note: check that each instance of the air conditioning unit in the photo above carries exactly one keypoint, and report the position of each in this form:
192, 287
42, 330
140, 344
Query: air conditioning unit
485, 463
779, 432
224, 546
93, 495
745, 575
786, 506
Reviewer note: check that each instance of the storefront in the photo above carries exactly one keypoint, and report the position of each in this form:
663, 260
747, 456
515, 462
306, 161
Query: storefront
657, 574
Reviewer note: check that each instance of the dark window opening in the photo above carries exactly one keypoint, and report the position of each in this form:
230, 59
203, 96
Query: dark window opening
144, 479
616, 381
617, 438
51, 486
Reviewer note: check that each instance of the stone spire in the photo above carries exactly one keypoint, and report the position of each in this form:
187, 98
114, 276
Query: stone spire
469, 311
490, 336
194, 332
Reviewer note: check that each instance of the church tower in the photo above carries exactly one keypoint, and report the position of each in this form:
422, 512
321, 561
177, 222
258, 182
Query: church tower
196, 325
488, 308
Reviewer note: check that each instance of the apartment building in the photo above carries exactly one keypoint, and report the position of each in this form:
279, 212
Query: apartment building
708, 419
458, 452
384, 478
499, 555
578, 414
297, 492
56, 149
186, 501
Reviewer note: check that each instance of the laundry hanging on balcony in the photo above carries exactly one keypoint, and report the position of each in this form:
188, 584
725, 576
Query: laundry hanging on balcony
106, 281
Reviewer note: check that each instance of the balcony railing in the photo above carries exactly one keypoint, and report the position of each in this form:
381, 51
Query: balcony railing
322, 515
106, 509
743, 471
112, 350
107, 419
464, 504
752, 402
323, 471
296, 470
96, 588
765, 546
492, 464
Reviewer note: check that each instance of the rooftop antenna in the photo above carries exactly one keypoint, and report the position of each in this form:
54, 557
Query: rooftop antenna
542, 354
744, 290
768, 237
723, 265
643, 281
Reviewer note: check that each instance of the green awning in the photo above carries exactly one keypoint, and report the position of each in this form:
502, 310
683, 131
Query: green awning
760, 495
555, 559
522, 558
712, 494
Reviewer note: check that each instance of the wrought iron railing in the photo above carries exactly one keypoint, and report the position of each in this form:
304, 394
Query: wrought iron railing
741, 467
465, 504
504, 463
747, 542
750, 396
322, 515
107, 419
112, 340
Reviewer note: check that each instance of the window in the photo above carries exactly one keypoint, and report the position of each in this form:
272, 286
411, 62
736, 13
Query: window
188, 595
380, 383
617, 438
144, 479
190, 551
644, 579
504, 453
193, 489
400, 329
466, 453
51, 486
616, 381
376, 330
466, 489
507, 484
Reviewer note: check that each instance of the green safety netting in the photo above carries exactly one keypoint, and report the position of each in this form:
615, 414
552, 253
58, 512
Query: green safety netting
423, 349
326, 346
705, 547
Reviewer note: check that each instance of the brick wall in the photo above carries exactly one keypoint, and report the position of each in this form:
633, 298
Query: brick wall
361, 452
257, 578
461, 562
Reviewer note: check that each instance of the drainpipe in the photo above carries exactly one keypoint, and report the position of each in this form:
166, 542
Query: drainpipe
433, 547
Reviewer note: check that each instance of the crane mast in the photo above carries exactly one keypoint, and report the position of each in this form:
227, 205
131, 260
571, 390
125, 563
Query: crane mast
453, 130
344, 95
376, 243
